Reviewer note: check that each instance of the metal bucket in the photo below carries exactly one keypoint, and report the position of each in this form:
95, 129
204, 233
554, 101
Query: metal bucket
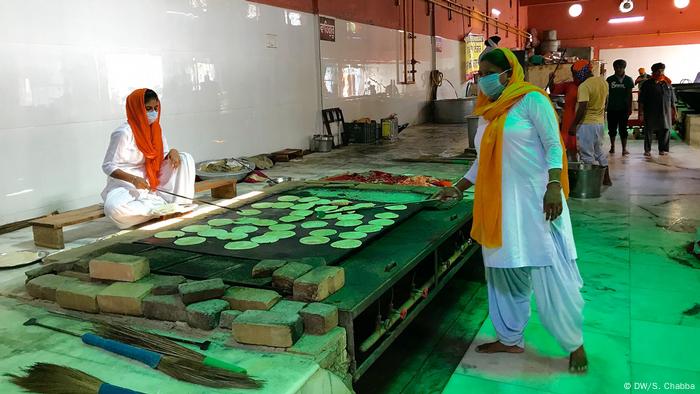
322, 143
453, 110
585, 180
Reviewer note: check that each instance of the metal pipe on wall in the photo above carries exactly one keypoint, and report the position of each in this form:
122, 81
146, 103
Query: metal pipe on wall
406, 36
453, 6
413, 42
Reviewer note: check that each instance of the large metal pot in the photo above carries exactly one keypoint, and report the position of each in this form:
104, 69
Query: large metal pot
453, 110
585, 180
322, 143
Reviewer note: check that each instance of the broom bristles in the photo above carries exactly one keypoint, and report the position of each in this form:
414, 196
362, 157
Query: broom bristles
45, 378
198, 373
178, 361
148, 341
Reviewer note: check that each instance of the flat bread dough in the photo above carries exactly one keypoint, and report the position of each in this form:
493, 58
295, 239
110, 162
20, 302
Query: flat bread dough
241, 245
314, 224
324, 232
189, 241
195, 228
382, 222
347, 244
283, 227
352, 235
348, 223
169, 234
369, 228
220, 222
313, 240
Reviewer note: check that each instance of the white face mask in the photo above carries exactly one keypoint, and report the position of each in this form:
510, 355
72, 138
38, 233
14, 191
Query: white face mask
152, 116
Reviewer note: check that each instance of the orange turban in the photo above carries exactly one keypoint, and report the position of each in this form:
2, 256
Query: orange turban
149, 138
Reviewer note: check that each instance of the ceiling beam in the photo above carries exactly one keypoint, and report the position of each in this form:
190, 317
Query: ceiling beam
527, 3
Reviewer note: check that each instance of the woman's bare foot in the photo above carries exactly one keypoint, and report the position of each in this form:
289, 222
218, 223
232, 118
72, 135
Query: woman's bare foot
498, 347
578, 362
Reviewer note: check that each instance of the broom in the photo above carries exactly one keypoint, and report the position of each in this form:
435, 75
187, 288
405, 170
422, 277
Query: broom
160, 345
45, 378
176, 367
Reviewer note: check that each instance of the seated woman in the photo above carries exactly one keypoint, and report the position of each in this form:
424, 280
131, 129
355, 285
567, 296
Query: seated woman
139, 165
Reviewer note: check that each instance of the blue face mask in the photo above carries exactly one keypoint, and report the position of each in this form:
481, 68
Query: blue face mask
152, 116
491, 85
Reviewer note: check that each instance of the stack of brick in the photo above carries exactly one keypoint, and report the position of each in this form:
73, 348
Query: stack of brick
318, 283
122, 284
284, 277
204, 305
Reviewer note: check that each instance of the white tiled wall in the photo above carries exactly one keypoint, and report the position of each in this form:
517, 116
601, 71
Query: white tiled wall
680, 60
67, 66
362, 70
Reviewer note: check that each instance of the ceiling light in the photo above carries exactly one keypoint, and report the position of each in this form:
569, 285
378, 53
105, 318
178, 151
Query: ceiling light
630, 19
681, 3
575, 10
626, 6
495, 12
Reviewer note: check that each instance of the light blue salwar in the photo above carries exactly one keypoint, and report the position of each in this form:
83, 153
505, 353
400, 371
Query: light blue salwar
557, 293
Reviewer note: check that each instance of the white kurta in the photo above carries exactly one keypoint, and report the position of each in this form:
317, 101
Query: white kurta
531, 146
127, 206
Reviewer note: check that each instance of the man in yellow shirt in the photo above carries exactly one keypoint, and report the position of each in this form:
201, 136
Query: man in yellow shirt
589, 123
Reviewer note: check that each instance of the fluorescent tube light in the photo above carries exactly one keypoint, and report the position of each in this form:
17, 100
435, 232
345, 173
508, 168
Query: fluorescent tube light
630, 19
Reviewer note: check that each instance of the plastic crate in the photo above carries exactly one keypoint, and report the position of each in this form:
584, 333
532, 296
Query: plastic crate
361, 133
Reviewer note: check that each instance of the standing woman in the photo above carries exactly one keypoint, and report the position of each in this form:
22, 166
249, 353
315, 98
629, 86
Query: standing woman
138, 162
521, 218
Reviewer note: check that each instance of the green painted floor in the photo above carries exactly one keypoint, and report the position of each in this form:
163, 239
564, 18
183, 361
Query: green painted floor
642, 292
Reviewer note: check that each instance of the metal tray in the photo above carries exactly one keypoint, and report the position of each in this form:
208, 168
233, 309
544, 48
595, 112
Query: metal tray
240, 175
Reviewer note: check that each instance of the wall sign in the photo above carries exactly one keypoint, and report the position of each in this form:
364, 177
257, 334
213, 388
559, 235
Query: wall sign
327, 26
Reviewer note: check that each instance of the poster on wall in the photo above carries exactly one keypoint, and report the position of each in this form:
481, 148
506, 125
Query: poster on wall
473, 46
327, 26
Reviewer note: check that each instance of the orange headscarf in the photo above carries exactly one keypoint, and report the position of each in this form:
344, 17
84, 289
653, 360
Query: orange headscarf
488, 211
149, 138
661, 78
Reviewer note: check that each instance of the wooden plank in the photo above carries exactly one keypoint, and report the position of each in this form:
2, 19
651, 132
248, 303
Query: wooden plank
286, 155
226, 191
213, 184
48, 237
70, 217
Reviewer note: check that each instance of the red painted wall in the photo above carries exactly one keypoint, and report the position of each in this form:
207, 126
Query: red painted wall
385, 13
663, 25
297, 5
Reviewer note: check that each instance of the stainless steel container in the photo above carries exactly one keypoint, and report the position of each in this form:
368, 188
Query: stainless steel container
585, 180
453, 110
549, 35
550, 46
322, 143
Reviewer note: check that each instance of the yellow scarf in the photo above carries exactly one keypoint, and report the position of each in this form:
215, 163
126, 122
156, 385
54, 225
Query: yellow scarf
487, 222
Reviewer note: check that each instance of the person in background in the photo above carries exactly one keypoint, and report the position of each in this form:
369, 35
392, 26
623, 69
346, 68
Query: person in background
619, 105
138, 162
643, 76
569, 89
657, 109
589, 123
521, 218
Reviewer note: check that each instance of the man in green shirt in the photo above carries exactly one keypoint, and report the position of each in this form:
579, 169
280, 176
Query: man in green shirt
619, 104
